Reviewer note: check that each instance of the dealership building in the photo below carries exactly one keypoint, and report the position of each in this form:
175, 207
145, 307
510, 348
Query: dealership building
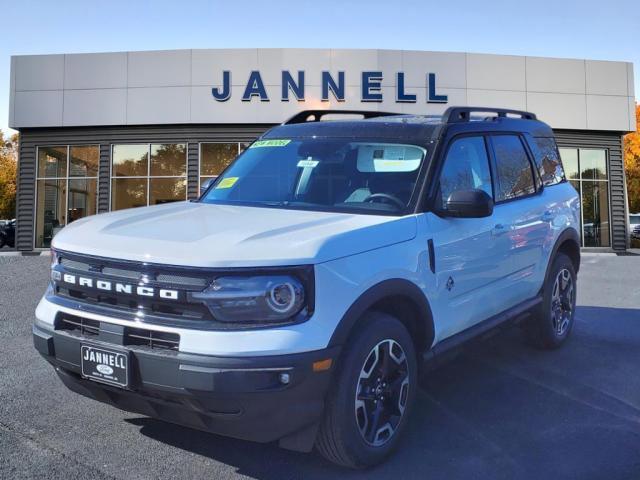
107, 131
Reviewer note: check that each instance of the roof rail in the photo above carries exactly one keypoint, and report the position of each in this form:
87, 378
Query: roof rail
317, 115
463, 114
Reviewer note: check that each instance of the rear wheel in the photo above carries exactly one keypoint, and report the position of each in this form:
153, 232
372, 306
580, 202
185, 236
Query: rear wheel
552, 324
375, 386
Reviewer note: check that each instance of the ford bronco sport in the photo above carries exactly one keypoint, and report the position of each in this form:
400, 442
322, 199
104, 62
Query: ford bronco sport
295, 300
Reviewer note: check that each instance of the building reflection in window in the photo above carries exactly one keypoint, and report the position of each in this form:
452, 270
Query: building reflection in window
66, 188
148, 174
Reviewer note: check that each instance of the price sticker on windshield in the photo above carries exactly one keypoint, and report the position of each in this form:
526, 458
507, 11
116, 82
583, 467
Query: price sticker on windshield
270, 143
227, 182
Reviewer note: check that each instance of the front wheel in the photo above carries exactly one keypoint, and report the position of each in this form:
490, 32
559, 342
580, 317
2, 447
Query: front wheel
374, 390
551, 325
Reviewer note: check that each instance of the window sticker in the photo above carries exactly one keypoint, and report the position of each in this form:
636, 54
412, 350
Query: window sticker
308, 163
270, 143
227, 182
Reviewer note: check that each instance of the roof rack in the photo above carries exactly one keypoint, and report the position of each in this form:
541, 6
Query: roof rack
463, 114
317, 115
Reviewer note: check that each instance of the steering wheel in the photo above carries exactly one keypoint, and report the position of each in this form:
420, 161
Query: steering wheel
385, 196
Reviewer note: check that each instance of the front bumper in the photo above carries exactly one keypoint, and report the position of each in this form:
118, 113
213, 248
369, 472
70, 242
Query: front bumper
240, 397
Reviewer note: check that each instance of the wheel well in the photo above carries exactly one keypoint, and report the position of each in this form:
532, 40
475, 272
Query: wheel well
571, 249
407, 311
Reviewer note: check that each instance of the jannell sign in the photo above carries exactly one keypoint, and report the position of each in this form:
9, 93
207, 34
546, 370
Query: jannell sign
290, 86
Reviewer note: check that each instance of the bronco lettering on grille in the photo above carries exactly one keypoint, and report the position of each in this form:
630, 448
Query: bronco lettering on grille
108, 286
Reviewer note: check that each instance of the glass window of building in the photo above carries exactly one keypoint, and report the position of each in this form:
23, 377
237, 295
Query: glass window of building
148, 174
66, 188
215, 157
587, 171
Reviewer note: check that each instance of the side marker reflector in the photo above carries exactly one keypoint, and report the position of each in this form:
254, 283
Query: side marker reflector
322, 365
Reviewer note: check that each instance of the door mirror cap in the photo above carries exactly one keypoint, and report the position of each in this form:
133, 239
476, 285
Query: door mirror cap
206, 184
468, 204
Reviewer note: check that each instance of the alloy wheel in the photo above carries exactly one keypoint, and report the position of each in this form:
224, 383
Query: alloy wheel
382, 392
562, 302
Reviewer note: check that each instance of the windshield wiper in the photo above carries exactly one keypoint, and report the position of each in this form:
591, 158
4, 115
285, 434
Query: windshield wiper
282, 203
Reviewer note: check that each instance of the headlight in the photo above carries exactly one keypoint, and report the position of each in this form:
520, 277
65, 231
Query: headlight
261, 298
55, 260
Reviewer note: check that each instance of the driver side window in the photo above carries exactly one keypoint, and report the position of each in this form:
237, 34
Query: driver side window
466, 167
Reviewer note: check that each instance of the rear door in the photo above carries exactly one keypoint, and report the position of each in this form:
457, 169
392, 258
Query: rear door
522, 217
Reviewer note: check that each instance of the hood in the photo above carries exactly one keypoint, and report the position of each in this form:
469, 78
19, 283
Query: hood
207, 235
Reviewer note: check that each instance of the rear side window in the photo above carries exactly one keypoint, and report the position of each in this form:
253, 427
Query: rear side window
514, 176
547, 160
466, 167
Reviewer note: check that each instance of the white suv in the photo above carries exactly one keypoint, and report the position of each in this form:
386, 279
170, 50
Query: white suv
296, 300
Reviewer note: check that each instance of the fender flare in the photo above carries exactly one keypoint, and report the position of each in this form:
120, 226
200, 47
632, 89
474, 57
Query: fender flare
569, 234
380, 291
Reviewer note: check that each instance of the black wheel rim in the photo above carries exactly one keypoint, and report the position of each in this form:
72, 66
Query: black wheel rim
562, 302
381, 392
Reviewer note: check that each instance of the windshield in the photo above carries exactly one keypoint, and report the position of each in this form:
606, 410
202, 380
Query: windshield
322, 174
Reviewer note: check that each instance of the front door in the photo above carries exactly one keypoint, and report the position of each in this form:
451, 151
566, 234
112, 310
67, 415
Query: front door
471, 254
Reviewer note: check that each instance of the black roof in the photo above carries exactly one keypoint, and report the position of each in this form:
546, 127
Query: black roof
397, 126
404, 126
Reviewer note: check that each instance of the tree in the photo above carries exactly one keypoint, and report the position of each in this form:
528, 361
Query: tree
8, 176
632, 165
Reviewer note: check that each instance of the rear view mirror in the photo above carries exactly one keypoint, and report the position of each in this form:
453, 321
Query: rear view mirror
468, 204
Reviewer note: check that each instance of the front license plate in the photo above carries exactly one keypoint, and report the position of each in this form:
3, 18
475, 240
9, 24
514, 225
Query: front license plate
105, 365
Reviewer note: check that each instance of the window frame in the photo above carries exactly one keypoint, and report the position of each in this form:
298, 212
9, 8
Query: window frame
580, 182
436, 200
429, 200
538, 186
531, 140
38, 178
148, 176
200, 176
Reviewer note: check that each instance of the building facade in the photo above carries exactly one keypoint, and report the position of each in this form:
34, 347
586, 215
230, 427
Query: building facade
107, 131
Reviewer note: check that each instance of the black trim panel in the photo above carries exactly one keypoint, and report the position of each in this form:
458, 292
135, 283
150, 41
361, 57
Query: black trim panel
456, 341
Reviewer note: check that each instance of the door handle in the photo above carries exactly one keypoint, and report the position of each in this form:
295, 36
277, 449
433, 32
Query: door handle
500, 229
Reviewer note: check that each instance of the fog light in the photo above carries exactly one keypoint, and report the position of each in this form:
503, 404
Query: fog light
285, 378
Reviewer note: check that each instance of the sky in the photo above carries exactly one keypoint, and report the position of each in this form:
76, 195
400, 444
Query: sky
603, 30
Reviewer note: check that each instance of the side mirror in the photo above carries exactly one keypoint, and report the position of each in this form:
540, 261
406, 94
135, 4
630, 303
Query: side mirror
206, 184
468, 204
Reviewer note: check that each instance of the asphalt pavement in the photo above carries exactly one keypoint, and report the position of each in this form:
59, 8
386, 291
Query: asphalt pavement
499, 410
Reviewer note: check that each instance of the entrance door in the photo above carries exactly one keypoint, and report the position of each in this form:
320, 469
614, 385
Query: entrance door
586, 169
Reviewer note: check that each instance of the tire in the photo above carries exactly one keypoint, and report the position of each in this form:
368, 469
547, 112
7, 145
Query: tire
341, 437
2, 241
553, 321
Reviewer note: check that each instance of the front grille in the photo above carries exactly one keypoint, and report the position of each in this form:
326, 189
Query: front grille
186, 311
84, 326
152, 309
138, 337
151, 339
